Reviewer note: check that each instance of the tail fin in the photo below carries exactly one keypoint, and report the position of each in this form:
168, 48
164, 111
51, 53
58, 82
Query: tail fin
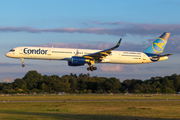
158, 46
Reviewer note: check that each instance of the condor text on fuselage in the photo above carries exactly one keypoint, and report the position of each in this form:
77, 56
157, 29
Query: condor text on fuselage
34, 51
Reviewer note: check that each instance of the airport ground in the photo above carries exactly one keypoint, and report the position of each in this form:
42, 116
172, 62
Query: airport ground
88, 107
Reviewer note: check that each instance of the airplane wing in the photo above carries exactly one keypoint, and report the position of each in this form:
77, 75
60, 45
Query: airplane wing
162, 55
102, 54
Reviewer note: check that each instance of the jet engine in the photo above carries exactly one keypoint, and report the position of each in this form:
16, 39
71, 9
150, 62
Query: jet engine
77, 61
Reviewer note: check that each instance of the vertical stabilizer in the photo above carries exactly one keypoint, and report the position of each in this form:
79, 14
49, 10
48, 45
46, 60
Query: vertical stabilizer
158, 46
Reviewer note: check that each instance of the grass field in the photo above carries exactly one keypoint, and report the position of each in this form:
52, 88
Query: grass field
91, 97
123, 110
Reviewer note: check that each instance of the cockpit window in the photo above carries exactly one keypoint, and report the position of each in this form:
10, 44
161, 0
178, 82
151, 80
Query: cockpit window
12, 50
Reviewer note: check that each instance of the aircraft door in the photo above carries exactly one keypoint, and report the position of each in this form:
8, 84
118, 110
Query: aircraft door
119, 56
49, 52
21, 51
144, 57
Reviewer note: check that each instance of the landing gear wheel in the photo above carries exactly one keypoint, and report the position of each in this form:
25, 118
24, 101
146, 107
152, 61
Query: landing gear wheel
91, 68
88, 68
94, 68
23, 65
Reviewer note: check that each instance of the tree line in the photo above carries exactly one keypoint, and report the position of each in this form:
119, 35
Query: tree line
84, 83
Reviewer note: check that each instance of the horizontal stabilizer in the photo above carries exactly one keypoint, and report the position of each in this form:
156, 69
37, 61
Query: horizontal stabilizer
158, 56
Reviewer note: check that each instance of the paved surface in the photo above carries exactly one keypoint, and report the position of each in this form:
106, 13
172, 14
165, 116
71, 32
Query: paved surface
82, 100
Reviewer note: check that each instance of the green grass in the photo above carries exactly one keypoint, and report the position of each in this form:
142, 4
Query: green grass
91, 97
122, 110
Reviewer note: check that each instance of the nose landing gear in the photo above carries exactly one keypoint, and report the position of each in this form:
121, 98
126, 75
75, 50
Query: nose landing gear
22, 61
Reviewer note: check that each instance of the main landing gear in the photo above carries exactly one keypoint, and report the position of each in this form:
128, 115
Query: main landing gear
22, 61
91, 66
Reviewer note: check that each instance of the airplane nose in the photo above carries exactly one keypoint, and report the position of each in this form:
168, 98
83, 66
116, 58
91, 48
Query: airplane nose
7, 54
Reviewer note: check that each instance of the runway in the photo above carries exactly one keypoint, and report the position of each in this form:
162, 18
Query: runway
86, 100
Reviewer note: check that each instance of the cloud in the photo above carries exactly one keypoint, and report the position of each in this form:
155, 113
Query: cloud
154, 68
116, 28
107, 23
141, 29
173, 45
8, 64
117, 68
58, 30
79, 45
2, 64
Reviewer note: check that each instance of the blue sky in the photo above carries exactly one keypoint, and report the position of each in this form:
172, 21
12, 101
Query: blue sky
89, 24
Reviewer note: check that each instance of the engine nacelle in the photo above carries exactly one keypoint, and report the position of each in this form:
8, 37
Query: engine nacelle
77, 61
71, 64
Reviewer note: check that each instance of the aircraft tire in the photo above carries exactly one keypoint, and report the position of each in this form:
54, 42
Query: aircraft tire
94, 68
88, 68
91, 68
23, 65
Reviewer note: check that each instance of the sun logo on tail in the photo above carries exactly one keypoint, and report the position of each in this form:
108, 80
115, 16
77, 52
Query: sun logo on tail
158, 45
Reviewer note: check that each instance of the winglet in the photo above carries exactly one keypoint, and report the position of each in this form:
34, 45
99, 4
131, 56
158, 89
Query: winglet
117, 45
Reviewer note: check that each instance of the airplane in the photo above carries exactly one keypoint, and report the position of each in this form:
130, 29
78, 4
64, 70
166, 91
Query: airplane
79, 57
8, 80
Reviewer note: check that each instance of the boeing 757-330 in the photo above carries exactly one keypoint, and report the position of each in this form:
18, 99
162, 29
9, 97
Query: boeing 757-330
79, 57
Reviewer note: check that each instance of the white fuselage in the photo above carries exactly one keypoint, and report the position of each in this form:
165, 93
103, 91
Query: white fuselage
119, 57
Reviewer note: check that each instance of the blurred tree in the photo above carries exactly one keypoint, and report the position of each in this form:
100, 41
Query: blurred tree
32, 79
112, 85
18, 83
